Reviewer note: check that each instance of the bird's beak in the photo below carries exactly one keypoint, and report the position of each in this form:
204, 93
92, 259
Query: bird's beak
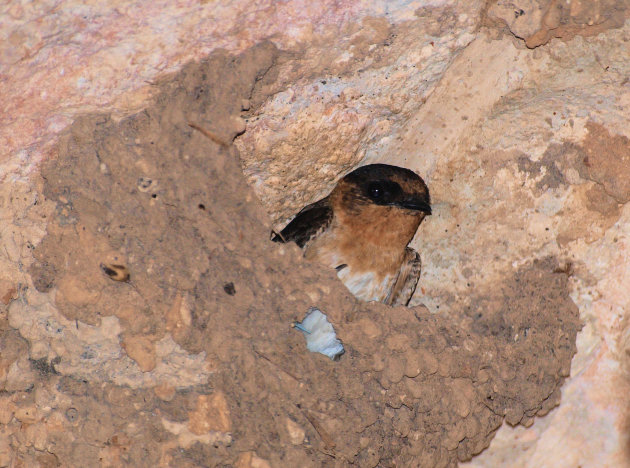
417, 204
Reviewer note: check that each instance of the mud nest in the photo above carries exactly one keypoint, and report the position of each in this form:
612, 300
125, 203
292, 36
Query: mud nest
172, 206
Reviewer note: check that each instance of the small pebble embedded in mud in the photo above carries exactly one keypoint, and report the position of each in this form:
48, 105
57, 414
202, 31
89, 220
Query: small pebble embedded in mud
229, 288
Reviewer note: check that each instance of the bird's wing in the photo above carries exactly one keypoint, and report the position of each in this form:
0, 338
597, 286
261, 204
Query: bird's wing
407, 279
308, 223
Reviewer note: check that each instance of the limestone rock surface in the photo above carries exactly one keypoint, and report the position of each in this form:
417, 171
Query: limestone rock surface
514, 112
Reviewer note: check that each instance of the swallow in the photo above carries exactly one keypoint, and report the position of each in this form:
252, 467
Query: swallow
363, 228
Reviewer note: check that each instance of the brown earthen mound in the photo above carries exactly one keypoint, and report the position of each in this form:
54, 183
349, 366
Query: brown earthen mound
158, 197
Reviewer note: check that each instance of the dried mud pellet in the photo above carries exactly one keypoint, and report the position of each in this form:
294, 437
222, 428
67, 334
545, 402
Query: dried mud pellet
514, 414
245, 263
483, 375
402, 422
463, 393
368, 457
460, 404
472, 426
506, 372
454, 435
445, 364
394, 369
27, 414
369, 328
165, 392
414, 386
397, 342
395, 397
238, 125
527, 421
428, 361
353, 388
369, 414
412, 363
378, 364
416, 443
116, 271
383, 381
142, 350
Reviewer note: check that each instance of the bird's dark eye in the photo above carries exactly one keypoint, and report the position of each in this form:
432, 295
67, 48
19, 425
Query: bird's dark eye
375, 190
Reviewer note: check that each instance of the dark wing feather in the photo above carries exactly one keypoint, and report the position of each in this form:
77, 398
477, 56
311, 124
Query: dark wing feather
407, 279
308, 223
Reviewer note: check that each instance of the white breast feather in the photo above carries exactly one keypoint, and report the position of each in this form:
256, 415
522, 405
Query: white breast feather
365, 286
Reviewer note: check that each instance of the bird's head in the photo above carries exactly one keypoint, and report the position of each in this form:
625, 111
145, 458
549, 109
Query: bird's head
380, 185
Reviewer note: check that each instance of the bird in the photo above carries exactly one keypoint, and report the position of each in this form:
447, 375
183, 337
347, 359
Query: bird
362, 229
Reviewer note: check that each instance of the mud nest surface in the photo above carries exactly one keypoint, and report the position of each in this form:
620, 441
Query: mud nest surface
171, 206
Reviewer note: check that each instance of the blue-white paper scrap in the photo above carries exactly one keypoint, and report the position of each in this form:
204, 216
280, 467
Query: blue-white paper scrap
320, 334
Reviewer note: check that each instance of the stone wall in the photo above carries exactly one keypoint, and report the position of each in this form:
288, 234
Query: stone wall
515, 114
